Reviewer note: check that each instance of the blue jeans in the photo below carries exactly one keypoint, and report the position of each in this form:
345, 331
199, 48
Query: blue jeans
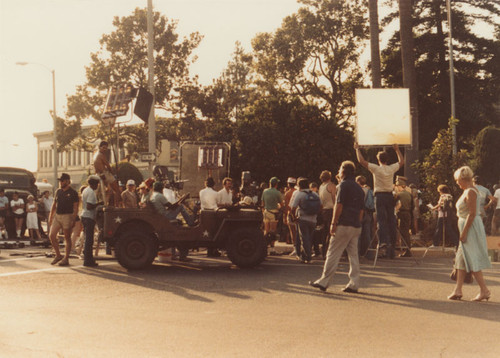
306, 230
365, 237
88, 229
386, 220
172, 214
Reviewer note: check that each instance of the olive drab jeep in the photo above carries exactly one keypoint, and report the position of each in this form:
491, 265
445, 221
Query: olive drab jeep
137, 235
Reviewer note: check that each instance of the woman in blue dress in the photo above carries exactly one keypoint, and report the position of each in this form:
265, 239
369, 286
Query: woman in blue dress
472, 254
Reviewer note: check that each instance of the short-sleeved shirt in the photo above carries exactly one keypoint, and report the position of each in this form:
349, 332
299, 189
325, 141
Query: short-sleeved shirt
224, 197
47, 203
383, 177
208, 199
65, 199
4, 201
497, 196
17, 202
271, 198
297, 197
352, 198
406, 200
159, 202
88, 197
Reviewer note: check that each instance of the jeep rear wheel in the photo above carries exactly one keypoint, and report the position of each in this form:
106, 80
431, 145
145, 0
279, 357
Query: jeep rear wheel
135, 250
246, 247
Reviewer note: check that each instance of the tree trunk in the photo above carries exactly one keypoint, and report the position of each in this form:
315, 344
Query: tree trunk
409, 81
374, 44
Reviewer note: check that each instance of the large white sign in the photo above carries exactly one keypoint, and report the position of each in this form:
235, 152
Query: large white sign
383, 117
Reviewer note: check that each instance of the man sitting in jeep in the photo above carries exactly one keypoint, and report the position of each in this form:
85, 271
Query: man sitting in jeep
164, 207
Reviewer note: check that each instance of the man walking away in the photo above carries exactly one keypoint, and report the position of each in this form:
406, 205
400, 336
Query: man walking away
305, 205
272, 201
383, 178
345, 229
367, 222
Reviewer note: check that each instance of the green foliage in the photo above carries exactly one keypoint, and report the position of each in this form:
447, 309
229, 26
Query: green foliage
476, 58
315, 54
439, 165
128, 171
122, 58
486, 152
280, 137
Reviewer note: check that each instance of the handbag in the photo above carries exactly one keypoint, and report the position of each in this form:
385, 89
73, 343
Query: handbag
468, 276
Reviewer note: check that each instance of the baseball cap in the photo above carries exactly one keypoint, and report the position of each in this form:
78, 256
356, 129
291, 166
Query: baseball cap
64, 176
131, 182
93, 178
291, 180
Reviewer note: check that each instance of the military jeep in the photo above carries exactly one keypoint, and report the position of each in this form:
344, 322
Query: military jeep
137, 235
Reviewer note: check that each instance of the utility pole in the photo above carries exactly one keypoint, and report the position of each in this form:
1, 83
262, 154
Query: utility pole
151, 81
54, 118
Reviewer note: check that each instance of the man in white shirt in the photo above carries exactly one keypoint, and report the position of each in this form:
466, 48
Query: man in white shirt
208, 201
225, 195
208, 196
383, 179
88, 218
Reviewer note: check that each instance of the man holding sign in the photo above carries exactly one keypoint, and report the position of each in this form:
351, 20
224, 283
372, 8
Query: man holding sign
383, 179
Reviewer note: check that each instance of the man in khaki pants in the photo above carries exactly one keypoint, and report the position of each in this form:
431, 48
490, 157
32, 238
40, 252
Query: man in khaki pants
62, 216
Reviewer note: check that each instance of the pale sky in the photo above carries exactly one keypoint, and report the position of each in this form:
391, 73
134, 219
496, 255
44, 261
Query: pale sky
61, 34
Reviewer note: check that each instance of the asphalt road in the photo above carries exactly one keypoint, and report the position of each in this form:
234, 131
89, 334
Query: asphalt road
209, 308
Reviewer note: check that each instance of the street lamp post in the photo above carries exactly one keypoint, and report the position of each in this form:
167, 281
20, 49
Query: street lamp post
452, 79
54, 117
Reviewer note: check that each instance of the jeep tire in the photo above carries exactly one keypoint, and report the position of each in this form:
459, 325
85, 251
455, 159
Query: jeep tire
135, 250
246, 247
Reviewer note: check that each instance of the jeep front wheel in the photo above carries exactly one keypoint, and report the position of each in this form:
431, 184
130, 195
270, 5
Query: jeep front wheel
135, 250
246, 247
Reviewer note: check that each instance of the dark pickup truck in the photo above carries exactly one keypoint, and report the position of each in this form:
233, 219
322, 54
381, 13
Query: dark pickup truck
138, 234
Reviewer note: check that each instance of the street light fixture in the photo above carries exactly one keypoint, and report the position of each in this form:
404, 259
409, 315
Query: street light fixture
54, 116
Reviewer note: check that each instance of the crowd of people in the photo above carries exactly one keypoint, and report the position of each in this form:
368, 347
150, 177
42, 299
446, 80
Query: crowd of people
340, 214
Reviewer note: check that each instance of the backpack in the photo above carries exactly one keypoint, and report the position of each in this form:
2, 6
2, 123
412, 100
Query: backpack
369, 201
311, 205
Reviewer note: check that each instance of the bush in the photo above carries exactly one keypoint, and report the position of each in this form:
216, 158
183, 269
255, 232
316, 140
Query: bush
486, 150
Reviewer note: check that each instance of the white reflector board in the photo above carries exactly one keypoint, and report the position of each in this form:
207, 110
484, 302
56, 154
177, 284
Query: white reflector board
383, 116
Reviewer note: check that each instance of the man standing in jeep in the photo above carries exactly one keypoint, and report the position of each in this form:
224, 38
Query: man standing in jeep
63, 215
104, 171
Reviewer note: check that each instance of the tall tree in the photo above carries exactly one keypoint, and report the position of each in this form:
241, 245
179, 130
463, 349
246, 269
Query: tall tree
122, 58
374, 44
314, 55
409, 81
476, 55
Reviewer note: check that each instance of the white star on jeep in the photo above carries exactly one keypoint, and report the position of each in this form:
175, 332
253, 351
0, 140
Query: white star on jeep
206, 233
118, 220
